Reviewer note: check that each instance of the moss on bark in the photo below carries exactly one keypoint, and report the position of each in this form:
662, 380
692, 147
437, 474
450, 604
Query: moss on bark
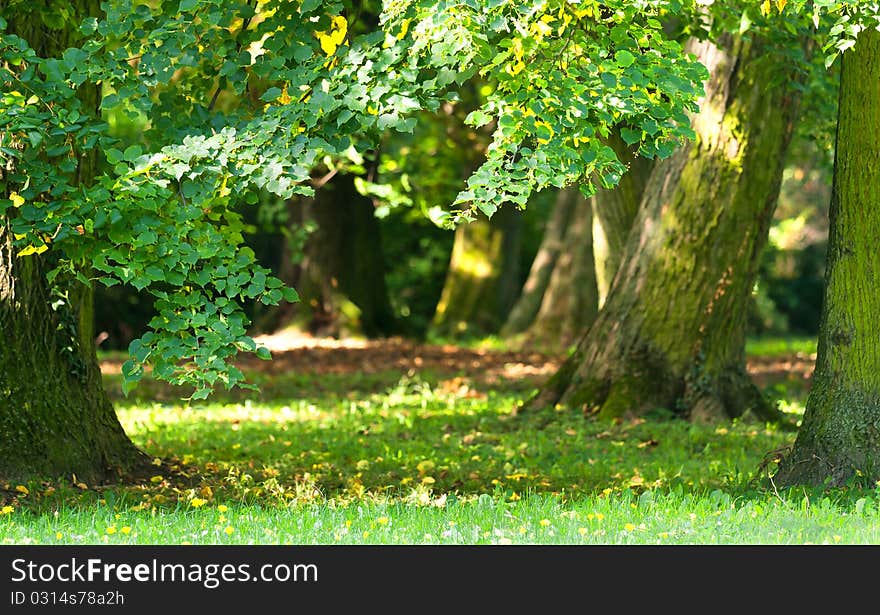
55, 419
839, 439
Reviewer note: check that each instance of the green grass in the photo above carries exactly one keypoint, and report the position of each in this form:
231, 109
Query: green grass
385, 458
780, 346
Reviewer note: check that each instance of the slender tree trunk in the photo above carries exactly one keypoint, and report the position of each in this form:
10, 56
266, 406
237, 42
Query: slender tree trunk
613, 215
341, 277
55, 418
840, 436
671, 332
559, 299
483, 278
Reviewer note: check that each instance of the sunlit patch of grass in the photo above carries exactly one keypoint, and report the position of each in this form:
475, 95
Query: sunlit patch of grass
780, 346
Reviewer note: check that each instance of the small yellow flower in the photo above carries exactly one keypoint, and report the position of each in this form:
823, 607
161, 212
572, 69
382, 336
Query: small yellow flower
125, 529
599, 516
196, 502
222, 518
58, 535
582, 531
22, 489
366, 534
382, 520
545, 522
428, 480
222, 508
514, 497
229, 530
111, 529
629, 527
6, 510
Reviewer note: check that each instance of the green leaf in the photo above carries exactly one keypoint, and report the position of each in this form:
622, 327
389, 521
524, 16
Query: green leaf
263, 353
290, 295
624, 58
630, 136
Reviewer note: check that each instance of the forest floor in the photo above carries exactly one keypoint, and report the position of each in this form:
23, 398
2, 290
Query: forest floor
393, 441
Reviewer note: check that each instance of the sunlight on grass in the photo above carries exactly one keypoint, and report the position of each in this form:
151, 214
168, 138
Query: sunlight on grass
384, 458
780, 346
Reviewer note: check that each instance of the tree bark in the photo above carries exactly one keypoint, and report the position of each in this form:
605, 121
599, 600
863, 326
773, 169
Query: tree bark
839, 439
671, 333
483, 278
55, 418
341, 275
559, 299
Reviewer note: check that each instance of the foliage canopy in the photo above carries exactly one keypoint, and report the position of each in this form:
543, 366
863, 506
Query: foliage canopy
242, 97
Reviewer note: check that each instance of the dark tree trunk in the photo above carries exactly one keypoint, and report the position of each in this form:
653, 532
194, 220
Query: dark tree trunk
55, 419
839, 439
483, 278
341, 275
671, 333
559, 299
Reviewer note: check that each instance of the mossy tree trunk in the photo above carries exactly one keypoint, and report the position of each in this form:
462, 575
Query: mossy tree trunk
55, 418
483, 278
671, 332
839, 439
341, 275
559, 299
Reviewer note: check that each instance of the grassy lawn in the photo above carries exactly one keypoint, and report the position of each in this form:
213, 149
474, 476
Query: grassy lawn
385, 457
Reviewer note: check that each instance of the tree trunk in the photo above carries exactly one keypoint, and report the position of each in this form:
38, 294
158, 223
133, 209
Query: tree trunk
483, 278
341, 277
559, 299
671, 333
839, 439
613, 215
557, 305
55, 418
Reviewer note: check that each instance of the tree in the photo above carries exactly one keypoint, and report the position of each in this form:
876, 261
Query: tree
838, 440
340, 274
578, 257
559, 298
483, 276
613, 214
55, 417
245, 97
671, 333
